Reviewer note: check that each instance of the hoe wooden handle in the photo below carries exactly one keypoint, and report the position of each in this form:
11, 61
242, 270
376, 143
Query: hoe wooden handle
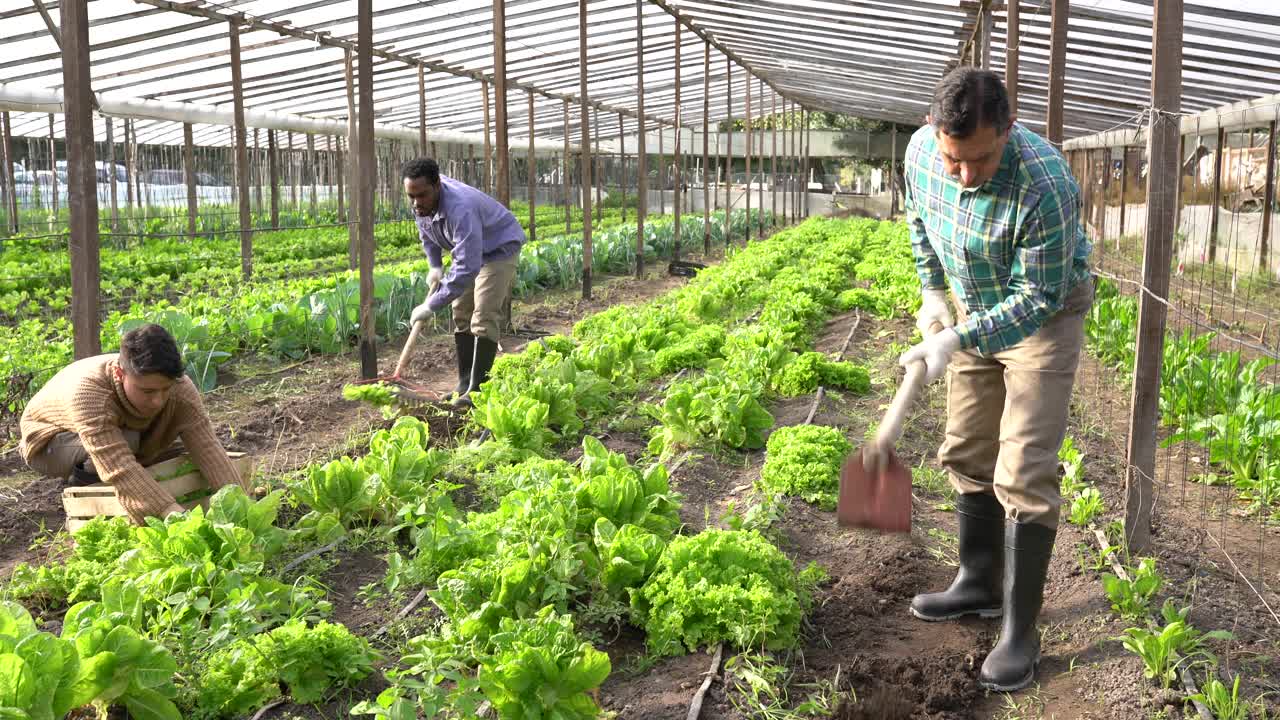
891, 427
408, 348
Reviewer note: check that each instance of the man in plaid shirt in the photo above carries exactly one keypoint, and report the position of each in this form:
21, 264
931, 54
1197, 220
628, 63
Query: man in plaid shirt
995, 224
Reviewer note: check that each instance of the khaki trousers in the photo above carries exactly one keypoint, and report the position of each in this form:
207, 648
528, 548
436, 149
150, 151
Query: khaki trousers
1007, 415
66, 450
479, 309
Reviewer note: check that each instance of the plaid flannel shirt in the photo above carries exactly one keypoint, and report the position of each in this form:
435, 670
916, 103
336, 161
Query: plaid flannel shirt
1010, 250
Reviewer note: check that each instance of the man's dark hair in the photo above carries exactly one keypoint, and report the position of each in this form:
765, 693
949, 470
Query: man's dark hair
151, 349
968, 98
421, 168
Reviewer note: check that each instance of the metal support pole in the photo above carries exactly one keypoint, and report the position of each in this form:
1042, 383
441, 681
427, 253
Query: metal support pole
255, 170
622, 151
1162, 178
533, 176
7, 128
130, 170
189, 170
728, 151
662, 174
500, 101
242, 155
82, 172
1057, 69
311, 164
353, 169
339, 160
760, 162
1124, 189
808, 159
564, 174
53, 166
111, 165
893, 167
486, 174
773, 162
1012, 38
706, 147
422, 110
368, 179
291, 161
585, 149
1268, 201
675, 155
642, 151
7, 189
598, 177
746, 132
273, 173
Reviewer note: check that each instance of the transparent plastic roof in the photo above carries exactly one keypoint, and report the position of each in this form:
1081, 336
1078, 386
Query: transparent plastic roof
872, 58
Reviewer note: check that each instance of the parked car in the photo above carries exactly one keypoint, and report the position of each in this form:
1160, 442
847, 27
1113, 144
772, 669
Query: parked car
164, 177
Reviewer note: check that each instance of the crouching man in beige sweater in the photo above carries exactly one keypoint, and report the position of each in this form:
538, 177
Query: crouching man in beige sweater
110, 415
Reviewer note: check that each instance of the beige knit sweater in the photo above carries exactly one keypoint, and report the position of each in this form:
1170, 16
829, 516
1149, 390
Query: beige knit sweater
85, 398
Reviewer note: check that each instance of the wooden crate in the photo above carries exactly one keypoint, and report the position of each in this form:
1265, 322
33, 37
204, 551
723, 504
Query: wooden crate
84, 503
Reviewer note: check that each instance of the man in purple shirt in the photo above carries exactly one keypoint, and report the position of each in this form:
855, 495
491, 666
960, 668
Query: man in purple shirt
484, 240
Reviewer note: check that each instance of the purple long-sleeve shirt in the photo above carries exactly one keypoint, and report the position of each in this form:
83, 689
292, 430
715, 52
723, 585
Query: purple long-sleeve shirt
475, 228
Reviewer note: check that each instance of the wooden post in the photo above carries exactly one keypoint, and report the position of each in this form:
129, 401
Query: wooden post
189, 167
312, 165
642, 150
82, 176
242, 155
486, 173
533, 176
273, 176
986, 23
354, 175
291, 162
1012, 38
706, 147
662, 174
111, 171
585, 150
500, 101
564, 173
675, 156
368, 178
1162, 177
1057, 69
422, 110
1268, 201
1217, 196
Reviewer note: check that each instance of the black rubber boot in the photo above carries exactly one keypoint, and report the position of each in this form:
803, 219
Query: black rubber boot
976, 588
82, 476
465, 345
1013, 661
485, 352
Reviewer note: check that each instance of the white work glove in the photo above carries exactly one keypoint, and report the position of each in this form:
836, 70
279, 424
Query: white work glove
422, 313
434, 277
933, 309
935, 351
